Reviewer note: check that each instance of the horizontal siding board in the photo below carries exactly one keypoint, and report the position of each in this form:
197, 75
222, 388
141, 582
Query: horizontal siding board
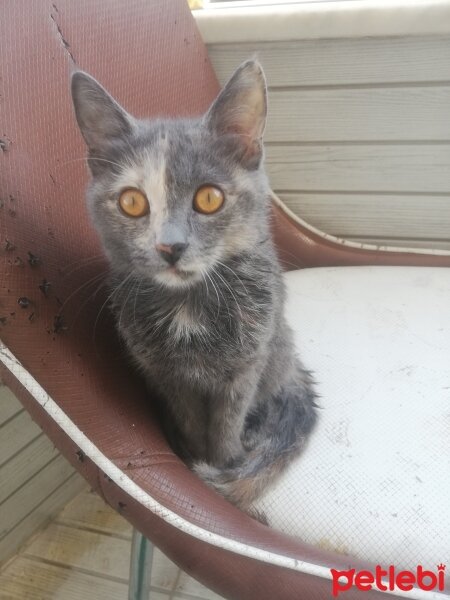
357, 139
90, 511
372, 167
9, 405
98, 553
381, 114
340, 62
360, 215
40, 516
27, 579
25, 464
32, 493
35, 481
15, 434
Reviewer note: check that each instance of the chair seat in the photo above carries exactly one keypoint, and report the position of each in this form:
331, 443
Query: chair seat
374, 480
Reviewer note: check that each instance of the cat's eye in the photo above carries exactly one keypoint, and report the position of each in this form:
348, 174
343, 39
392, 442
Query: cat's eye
133, 203
208, 199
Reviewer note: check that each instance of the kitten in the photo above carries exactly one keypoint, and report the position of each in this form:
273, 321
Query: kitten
182, 207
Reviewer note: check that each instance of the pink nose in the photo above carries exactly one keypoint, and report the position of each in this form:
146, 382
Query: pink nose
171, 252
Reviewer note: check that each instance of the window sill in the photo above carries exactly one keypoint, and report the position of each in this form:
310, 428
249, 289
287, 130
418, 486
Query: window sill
341, 19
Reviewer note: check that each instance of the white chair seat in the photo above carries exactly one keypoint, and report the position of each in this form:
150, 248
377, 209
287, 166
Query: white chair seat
374, 480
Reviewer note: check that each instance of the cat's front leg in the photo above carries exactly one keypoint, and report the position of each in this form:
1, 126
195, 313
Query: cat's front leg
227, 413
184, 418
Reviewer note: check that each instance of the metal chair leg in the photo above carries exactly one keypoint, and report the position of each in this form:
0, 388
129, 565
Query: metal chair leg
140, 567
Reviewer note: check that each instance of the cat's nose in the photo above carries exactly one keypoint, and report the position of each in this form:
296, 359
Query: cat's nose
171, 252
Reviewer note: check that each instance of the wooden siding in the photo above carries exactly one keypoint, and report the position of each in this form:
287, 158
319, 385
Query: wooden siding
358, 135
85, 553
35, 481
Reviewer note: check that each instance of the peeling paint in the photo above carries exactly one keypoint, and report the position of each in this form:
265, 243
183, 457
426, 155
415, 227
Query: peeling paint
65, 44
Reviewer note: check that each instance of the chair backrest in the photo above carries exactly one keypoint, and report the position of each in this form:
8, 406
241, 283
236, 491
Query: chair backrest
150, 56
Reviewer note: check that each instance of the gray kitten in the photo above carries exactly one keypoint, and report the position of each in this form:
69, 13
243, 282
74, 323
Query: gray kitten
182, 207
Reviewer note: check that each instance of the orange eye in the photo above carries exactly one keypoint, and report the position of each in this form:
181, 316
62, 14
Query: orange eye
208, 199
133, 203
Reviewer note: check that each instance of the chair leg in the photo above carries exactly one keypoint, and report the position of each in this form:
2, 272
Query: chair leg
140, 567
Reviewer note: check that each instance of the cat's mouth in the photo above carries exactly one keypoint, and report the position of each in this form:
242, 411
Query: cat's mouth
180, 272
174, 276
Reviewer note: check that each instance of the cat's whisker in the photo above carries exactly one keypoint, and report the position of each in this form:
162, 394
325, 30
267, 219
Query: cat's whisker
204, 334
135, 298
231, 291
108, 299
161, 320
213, 272
132, 287
224, 281
81, 287
234, 273
88, 158
82, 263
217, 294
288, 263
206, 283
86, 301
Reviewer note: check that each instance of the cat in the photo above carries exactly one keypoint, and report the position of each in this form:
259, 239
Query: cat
182, 207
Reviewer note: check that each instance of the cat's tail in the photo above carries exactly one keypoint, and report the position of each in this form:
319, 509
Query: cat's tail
243, 482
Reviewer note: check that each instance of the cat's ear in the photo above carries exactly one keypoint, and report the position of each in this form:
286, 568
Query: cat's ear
100, 118
241, 110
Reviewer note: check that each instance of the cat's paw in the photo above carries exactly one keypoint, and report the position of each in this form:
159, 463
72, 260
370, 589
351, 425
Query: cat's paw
234, 490
207, 472
250, 438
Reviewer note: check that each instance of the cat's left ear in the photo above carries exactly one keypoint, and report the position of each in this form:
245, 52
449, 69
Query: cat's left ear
241, 110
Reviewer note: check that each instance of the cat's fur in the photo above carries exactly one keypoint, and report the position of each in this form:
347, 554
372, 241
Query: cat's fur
210, 336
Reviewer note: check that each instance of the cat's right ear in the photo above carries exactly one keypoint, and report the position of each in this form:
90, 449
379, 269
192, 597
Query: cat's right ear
100, 118
240, 111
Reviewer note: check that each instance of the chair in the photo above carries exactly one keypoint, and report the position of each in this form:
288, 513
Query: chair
66, 364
